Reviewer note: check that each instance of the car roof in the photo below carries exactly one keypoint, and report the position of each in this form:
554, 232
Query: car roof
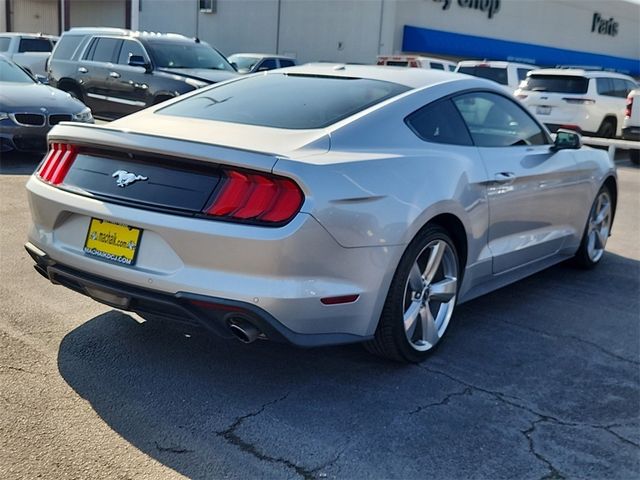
262, 55
25, 34
129, 33
410, 77
493, 63
403, 56
580, 72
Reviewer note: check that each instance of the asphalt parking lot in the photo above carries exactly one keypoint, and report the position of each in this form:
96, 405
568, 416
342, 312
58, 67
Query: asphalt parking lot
537, 380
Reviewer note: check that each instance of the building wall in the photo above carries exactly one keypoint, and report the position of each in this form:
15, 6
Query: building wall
555, 23
31, 16
241, 26
173, 16
96, 13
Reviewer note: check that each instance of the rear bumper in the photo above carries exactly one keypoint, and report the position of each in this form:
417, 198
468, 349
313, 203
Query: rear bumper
214, 314
283, 272
631, 133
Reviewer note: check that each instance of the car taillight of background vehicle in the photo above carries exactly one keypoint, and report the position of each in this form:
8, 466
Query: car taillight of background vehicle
256, 197
579, 101
57, 163
627, 112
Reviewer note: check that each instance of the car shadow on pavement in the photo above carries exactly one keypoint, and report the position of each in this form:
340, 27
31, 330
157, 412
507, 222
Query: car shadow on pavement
12, 163
543, 369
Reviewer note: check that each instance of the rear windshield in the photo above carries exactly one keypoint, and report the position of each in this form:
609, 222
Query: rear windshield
490, 73
556, 84
66, 46
34, 45
290, 101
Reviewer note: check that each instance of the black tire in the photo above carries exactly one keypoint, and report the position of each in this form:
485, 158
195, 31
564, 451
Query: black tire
582, 259
607, 129
634, 156
390, 340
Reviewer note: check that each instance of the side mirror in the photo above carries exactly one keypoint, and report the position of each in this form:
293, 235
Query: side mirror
139, 61
42, 79
567, 140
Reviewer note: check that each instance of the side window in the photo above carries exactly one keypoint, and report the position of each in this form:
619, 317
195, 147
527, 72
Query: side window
522, 74
4, 43
605, 87
286, 63
129, 47
495, 121
630, 86
436, 66
620, 87
103, 49
267, 64
34, 45
439, 122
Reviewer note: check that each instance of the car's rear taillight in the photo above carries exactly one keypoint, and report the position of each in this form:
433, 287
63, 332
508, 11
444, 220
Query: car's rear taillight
57, 163
627, 112
579, 101
256, 197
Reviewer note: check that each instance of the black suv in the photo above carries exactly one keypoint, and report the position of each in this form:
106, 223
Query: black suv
116, 72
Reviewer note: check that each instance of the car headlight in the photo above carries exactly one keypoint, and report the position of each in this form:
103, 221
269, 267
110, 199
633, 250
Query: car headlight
195, 83
3, 116
83, 116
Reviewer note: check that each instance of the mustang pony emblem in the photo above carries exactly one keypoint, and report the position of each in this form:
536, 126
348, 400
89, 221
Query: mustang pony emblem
125, 178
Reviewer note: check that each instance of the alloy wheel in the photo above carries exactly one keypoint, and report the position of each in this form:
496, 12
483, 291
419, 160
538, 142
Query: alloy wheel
599, 226
430, 295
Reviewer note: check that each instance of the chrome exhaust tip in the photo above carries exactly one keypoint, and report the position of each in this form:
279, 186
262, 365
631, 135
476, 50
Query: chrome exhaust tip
243, 330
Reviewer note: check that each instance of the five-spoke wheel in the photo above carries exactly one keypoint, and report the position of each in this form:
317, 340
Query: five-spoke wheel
421, 298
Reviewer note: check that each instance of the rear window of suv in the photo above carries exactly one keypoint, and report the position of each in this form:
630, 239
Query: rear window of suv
490, 73
291, 101
556, 84
67, 46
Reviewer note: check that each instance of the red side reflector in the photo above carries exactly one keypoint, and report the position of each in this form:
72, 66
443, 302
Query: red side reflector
57, 163
339, 300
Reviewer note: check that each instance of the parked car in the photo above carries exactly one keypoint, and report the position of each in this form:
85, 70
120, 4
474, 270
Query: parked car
30, 50
29, 109
591, 102
117, 72
509, 74
631, 124
259, 62
416, 61
349, 204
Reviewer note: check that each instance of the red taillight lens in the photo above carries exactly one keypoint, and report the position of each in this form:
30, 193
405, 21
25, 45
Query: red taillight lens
57, 163
257, 197
627, 112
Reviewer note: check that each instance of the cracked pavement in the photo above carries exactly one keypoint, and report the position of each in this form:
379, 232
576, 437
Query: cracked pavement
539, 380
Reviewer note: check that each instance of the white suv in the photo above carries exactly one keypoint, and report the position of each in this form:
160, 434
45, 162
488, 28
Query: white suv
588, 101
508, 74
631, 125
416, 61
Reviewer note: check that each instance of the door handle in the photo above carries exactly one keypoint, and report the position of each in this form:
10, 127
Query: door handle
82, 70
505, 177
114, 74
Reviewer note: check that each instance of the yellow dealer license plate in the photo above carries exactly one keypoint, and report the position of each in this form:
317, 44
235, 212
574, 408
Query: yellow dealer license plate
112, 241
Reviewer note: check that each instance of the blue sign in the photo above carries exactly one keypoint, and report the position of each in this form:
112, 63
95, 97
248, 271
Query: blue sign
425, 40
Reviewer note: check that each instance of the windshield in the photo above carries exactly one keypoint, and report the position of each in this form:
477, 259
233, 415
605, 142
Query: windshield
291, 101
187, 55
556, 84
490, 73
10, 72
244, 62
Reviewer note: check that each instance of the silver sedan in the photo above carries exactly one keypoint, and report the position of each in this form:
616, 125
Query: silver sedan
318, 205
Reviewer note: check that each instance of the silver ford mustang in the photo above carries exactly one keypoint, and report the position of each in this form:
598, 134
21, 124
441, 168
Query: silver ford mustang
318, 205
